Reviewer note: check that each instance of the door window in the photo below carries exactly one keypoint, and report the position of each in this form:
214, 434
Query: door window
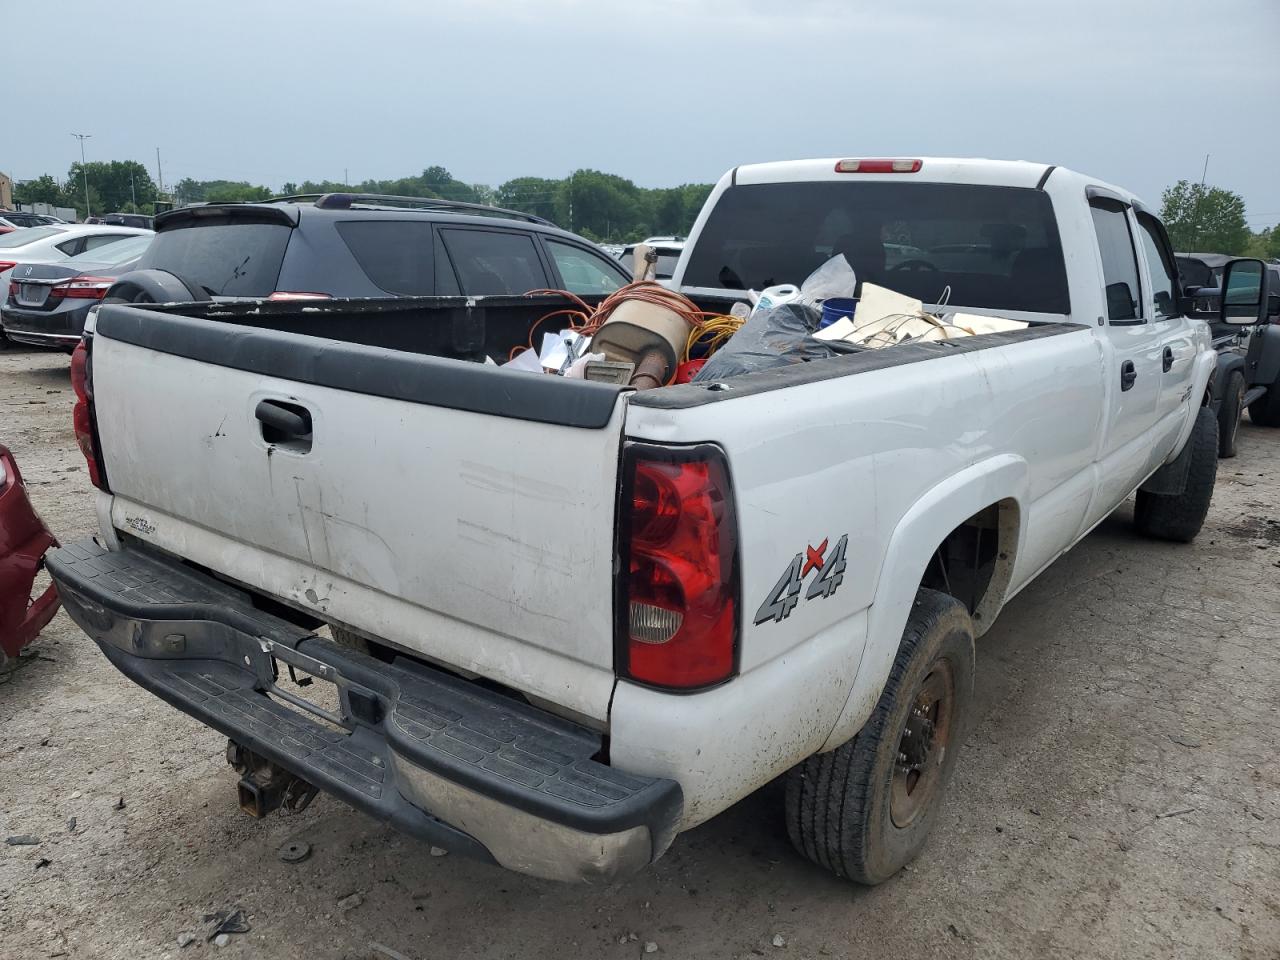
488, 262
582, 271
1119, 261
1164, 275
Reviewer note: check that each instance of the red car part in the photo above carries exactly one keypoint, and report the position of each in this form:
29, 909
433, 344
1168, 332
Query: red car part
23, 542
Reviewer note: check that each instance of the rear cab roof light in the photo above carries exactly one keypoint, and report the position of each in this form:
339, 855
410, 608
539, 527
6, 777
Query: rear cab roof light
879, 165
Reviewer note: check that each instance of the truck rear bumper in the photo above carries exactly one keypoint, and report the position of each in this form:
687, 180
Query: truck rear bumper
461, 766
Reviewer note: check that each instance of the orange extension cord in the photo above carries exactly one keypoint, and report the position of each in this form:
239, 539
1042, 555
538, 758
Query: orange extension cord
586, 320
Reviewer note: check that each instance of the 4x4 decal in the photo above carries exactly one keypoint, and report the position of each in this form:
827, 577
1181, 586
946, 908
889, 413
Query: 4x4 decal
785, 594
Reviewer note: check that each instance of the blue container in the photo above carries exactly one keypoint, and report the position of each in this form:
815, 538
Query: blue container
835, 309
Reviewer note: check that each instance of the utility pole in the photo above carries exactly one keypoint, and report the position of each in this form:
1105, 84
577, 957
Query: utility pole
82, 137
345, 179
159, 172
1199, 209
133, 190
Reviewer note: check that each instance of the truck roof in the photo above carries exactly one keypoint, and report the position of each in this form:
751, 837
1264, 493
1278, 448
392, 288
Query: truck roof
1012, 173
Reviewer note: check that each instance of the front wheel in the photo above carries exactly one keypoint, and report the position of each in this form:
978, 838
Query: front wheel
1179, 516
865, 809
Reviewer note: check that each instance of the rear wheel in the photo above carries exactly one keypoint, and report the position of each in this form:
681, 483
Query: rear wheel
1229, 415
1180, 516
865, 809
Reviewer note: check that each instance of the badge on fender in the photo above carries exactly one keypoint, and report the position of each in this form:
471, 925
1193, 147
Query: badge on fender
785, 594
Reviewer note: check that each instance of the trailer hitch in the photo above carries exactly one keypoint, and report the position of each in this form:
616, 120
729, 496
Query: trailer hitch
265, 786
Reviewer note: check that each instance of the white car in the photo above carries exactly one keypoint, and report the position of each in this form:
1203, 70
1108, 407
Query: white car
574, 619
54, 243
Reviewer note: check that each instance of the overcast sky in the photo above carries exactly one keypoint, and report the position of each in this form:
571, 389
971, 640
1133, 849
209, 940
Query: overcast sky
661, 91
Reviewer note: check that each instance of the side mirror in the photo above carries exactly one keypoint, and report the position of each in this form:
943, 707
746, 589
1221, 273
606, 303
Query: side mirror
1245, 293
1120, 303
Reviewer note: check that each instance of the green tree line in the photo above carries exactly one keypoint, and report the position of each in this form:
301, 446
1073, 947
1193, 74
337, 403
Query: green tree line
1206, 219
600, 206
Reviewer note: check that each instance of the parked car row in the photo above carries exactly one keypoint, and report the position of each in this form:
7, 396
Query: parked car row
11, 220
334, 245
23, 253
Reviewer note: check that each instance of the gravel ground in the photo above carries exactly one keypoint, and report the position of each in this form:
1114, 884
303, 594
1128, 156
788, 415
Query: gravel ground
1119, 795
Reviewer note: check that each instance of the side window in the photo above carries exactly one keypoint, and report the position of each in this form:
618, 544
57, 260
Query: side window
488, 262
1164, 275
397, 255
71, 247
582, 271
1119, 261
101, 240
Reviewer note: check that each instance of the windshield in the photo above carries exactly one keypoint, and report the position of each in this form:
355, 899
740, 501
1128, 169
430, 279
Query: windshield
226, 259
111, 254
20, 238
995, 247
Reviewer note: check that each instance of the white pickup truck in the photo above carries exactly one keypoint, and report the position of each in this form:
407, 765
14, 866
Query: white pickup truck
573, 619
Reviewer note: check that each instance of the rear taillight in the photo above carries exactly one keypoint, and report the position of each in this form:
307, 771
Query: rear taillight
677, 602
82, 415
878, 166
81, 288
7, 265
13, 288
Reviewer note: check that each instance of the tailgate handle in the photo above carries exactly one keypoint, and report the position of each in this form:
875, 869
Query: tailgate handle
285, 423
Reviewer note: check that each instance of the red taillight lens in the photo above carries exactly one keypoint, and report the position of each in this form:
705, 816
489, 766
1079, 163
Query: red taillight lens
82, 414
13, 288
878, 166
81, 288
7, 265
677, 572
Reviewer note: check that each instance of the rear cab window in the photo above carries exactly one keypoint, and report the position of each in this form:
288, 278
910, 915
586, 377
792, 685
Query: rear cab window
994, 247
228, 258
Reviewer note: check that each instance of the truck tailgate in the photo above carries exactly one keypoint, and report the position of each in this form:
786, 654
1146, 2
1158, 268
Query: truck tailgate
483, 540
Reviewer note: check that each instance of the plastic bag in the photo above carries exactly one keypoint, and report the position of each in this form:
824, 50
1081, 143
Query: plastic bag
835, 278
769, 338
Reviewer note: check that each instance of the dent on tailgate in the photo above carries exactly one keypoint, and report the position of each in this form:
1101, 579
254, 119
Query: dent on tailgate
23, 542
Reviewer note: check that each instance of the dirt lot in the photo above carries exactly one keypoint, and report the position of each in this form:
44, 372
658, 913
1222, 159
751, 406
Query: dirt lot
1119, 797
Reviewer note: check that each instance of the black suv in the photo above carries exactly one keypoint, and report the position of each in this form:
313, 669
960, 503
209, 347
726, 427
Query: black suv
360, 245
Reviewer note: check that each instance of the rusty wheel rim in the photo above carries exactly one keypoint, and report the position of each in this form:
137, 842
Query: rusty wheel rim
922, 746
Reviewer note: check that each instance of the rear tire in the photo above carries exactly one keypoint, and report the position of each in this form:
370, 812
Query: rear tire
854, 810
1180, 516
1229, 415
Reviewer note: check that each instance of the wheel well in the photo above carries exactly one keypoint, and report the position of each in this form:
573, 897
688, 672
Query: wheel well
974, 561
